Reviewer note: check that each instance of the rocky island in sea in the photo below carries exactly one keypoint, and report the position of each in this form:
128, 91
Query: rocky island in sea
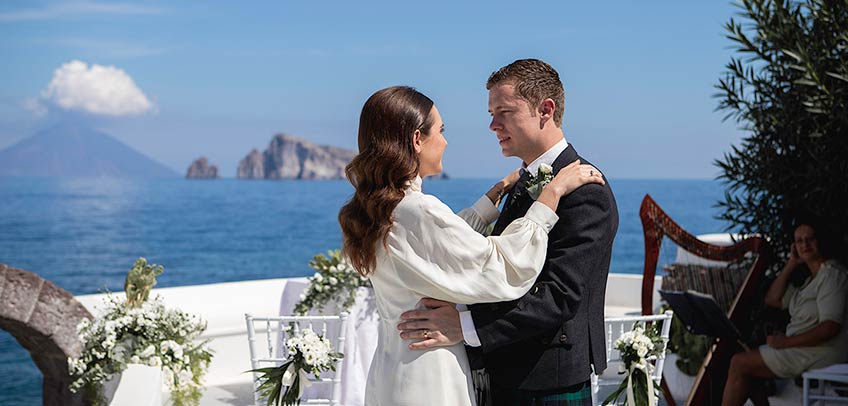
289, 157
200, 169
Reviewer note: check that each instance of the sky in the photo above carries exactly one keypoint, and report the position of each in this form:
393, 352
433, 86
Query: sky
180, 80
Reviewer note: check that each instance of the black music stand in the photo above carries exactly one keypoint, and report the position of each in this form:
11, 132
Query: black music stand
700, 314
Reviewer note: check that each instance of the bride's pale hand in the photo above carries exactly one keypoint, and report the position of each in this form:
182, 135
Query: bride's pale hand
572, 177
503, 187
510, 180
437, 325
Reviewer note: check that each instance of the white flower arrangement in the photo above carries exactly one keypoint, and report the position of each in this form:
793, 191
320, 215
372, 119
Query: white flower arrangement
636, 347
537, 182
145, 333
309, 353
334, 280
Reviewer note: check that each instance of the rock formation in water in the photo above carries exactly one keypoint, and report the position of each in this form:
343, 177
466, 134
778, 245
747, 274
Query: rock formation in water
200, 169
290, 157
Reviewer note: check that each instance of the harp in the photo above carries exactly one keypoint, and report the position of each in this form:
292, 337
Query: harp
656, 224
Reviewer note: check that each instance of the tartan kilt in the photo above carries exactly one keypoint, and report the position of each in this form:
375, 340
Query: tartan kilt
576, 395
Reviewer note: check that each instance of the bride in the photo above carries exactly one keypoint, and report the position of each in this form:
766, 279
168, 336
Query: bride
412, 245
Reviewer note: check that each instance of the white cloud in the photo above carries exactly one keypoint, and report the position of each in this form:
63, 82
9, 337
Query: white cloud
97, 89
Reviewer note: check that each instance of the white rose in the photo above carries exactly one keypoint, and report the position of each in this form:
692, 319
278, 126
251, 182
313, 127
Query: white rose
155, 362
333, 281
178, 350
149, 351
184, 377
110, 326
167, 377
545, 168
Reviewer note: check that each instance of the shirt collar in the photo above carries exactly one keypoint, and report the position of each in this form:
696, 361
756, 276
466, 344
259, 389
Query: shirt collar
414, 185
548, 157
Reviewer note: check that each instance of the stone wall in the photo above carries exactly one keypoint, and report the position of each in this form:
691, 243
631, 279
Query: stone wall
43, 318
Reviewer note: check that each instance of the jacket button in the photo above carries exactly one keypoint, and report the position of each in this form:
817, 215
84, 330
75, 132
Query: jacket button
563, 338
535, 290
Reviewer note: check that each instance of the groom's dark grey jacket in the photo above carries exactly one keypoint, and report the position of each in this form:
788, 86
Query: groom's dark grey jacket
547, 339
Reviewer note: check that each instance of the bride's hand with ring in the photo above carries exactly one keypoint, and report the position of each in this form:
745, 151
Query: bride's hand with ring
567, 180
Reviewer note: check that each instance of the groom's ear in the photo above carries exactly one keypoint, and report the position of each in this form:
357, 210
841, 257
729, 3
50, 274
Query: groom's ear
416, 141
546, 111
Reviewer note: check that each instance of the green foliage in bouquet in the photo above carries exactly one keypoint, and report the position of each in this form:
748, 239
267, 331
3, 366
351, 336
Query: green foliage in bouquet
140, 280
788, 90
334, 281
146, 333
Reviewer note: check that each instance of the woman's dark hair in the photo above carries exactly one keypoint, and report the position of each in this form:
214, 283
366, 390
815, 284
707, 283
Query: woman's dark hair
824, 242
382, 170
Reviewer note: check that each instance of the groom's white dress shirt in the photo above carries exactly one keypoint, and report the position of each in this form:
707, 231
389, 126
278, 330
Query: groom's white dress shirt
432, 252
487, 208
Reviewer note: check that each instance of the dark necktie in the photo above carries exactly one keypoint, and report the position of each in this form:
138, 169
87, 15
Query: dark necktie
519, 189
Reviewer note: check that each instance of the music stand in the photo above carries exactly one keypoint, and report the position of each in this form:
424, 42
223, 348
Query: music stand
700, 314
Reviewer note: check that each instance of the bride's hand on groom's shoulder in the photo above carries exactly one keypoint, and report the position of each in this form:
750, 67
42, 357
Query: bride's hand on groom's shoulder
510, 180
572, 177
436, 326
503, 187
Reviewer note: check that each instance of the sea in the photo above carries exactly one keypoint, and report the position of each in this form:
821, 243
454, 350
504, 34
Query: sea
85, 234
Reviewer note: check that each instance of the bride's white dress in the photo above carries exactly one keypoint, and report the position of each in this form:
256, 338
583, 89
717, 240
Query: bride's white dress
435, 253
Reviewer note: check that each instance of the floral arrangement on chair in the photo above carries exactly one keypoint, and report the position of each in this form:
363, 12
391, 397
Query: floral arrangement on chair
309, 353
636, 347
334, 280
138, 331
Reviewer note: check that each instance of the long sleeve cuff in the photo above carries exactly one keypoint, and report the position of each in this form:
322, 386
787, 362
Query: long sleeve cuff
469, 333
542, 215
484, 208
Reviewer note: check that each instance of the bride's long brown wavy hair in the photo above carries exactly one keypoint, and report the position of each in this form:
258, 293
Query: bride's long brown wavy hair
386, 163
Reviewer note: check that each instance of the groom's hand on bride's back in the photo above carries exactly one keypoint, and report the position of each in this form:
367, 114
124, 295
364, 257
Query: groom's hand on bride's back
436, 326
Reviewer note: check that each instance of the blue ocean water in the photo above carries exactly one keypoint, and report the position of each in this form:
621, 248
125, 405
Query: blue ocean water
84, 234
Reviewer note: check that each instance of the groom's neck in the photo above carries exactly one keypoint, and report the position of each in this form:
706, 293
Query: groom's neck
547, 141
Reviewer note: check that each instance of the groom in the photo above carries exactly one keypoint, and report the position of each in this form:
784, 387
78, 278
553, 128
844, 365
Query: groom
541, 348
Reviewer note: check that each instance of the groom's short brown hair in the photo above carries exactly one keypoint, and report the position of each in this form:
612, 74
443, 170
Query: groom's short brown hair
534, 81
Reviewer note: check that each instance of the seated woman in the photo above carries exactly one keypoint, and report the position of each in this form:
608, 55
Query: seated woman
816, 335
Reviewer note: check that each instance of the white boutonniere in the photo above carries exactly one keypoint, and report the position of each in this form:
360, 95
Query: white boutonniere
537, 182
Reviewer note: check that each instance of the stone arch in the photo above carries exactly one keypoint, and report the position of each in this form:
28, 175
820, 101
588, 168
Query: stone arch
43, 318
